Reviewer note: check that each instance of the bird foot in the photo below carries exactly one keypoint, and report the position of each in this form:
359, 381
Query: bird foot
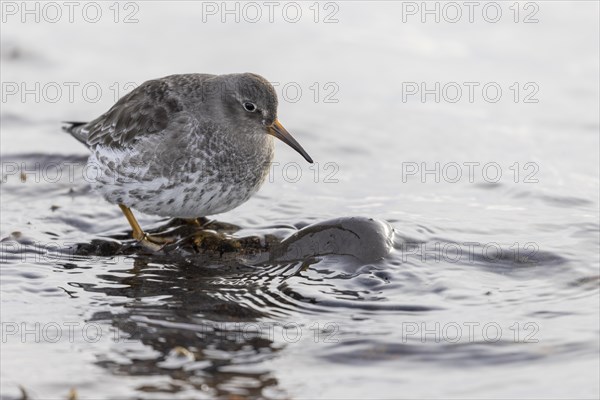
153, 243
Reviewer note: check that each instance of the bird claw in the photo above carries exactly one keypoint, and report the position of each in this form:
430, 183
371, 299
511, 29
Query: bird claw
154, 243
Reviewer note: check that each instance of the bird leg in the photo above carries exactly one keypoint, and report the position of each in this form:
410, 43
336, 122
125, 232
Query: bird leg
192, 221
200, 222
153, 243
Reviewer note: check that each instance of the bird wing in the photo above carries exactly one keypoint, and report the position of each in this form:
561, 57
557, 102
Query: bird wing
145, 110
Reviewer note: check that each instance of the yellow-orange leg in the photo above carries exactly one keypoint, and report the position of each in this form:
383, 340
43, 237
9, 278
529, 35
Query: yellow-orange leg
152, 242
199, 222
193, 221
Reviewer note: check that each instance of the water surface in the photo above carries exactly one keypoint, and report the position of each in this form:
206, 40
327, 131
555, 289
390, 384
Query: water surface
490, 287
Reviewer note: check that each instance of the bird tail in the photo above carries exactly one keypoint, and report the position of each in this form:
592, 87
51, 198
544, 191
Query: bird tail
76, 130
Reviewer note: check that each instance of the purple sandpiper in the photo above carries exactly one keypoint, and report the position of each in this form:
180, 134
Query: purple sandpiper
184, 146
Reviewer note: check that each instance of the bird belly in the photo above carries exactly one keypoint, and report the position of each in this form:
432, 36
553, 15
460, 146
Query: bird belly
184, 194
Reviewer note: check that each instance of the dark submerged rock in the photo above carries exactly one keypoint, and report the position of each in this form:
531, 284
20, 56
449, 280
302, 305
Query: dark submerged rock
366, 239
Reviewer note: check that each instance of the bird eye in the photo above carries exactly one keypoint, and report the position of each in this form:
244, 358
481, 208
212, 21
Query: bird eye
250, 107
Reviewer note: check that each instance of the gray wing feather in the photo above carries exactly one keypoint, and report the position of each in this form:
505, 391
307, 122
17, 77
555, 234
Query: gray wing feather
74, 128
145, 110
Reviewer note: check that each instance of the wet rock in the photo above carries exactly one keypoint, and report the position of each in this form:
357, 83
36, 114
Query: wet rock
366, 239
